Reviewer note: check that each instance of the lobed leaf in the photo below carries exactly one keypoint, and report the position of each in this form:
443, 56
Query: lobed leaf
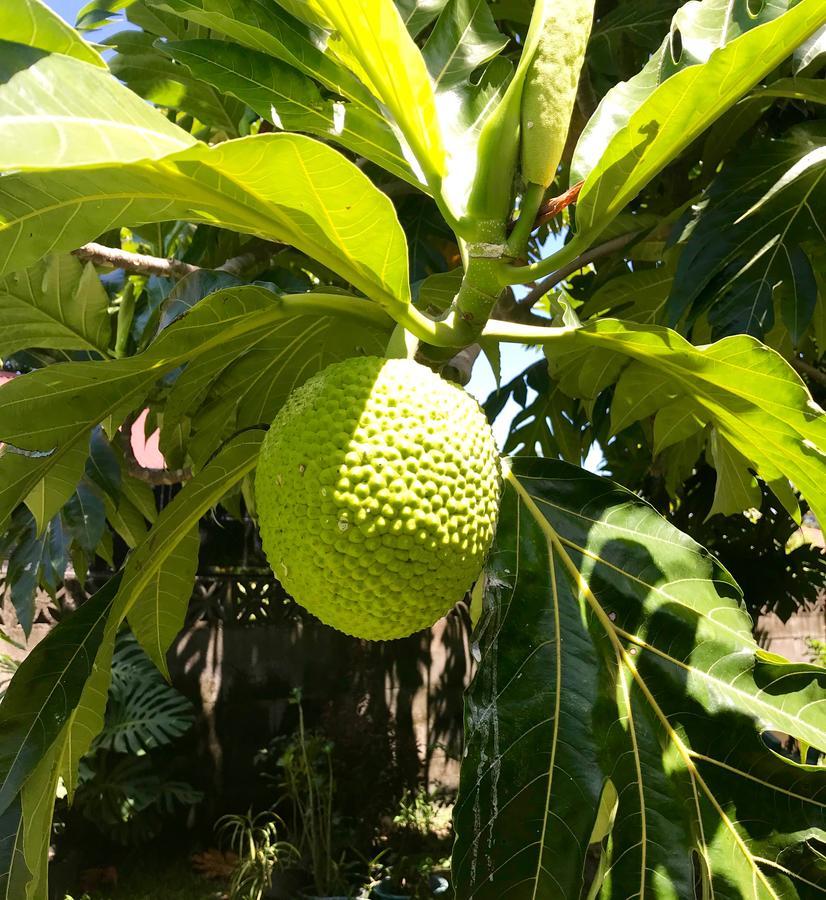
621, 705
644, 124
327, 207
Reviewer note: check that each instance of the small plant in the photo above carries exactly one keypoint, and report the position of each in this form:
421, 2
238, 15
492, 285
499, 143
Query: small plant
306, 767
416, 852
254, 839
817, 651
417, 812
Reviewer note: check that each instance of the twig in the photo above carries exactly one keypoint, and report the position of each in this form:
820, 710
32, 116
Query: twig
136, 470
115, 258
551, 208
811, 371
539, 291
140, 264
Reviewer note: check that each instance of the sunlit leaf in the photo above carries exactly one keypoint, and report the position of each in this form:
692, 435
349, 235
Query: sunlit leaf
56, 111
292, 101
31, 22
327, 207
647, 122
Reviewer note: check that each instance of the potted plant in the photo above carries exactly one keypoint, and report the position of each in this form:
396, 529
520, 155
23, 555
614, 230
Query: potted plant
416, 851
254, 839
308, 785
413, 878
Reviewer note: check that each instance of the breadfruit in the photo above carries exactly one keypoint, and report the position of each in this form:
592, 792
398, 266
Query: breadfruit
377, 492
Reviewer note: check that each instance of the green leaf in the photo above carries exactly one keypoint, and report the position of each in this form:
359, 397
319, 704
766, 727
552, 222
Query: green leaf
47, 688
57, 304
747, 391
31, 22
742, 253
103, 466
244, 382
327, 207
115, 387
620, 690
55, 703
645, 124
56, 111
143, 711
811, 52
46, 497
372, 41
418, 14
636, 297
158, 613
14, 875
148, 72
85, 517
464, 38
798, 296
38, 557
695, 32
292, 101
158, 569
271, 30
811, 90
736, 489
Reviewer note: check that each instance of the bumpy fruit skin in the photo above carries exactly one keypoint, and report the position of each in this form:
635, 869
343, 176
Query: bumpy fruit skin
378, 492
550, 87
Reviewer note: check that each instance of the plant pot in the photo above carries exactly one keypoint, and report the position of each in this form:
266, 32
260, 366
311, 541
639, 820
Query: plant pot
305, 896
284, 885
438, 888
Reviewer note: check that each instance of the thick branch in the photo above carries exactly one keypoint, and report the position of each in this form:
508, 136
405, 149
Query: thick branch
138, 263
539, 291
810, 371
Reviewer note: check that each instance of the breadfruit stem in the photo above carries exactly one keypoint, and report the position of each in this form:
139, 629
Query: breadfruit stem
513, 332
532, 199
513, 274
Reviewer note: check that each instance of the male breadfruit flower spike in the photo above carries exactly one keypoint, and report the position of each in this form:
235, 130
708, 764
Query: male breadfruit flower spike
378, 493
550, 87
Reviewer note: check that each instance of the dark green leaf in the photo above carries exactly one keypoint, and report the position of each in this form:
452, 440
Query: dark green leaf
103, 467
148, 72
270, 29
743, 247
621, 703
46, 690
645, 123
85, 517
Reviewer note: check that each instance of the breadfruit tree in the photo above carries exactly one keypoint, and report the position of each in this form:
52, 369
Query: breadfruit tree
201, 216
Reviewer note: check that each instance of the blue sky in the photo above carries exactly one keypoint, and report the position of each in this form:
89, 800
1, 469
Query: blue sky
514, 357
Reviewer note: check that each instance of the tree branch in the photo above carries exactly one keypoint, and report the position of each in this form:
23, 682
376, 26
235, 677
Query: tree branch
136, 470
552, 207
115, 258
539, 291
140, 264
811, 371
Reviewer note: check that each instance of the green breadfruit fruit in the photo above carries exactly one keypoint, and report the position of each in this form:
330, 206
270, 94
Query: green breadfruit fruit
378, 492
551, 81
